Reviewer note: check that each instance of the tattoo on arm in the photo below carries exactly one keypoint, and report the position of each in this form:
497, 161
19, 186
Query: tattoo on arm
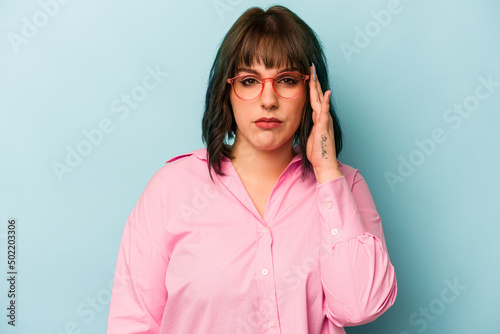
323, 147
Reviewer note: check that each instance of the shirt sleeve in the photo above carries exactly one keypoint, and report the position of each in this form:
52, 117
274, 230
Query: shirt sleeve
139, 293
359, 281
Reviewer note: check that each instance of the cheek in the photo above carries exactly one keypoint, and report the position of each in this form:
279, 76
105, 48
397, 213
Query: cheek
299, 110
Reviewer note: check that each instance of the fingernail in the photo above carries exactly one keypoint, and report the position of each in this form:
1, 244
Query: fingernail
314, 72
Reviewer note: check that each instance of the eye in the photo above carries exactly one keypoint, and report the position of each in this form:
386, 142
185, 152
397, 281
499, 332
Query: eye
249, 81
288, 80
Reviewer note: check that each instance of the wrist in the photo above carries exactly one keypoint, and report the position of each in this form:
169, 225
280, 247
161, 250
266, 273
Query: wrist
327, 174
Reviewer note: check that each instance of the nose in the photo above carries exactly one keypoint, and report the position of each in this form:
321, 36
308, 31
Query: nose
269, 98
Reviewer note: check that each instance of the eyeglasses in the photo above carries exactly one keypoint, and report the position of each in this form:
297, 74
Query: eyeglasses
287, 85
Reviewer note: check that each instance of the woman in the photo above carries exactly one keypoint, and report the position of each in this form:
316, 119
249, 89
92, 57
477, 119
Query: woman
262, 231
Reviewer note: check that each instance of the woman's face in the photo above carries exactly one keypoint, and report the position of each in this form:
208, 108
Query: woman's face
252, 118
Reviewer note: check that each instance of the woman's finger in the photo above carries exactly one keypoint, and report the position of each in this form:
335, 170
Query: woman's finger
318, 86
315, 89
315, 86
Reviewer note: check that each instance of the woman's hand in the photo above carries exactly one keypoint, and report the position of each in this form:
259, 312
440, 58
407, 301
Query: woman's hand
321, 142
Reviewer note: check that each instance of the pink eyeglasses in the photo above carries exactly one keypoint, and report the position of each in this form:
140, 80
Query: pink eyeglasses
287, 85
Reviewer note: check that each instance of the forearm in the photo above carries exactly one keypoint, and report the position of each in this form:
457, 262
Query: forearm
358, 279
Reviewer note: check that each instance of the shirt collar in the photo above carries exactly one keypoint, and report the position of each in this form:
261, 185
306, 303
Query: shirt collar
199, 153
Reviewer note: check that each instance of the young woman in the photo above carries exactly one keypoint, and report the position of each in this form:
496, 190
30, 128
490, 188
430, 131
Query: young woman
262, 231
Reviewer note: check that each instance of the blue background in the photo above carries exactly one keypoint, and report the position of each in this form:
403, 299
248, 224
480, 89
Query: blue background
62, 78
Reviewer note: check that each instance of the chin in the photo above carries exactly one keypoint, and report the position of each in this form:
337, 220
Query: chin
271, 145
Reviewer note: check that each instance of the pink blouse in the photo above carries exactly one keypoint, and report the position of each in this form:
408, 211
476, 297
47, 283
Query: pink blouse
197, 257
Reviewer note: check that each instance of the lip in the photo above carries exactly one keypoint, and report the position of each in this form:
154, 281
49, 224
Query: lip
268, 123
268, 120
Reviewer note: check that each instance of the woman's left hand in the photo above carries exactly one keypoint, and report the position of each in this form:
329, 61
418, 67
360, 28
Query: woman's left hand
321, 142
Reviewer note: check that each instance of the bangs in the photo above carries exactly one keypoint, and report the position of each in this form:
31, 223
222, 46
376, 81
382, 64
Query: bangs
269, 44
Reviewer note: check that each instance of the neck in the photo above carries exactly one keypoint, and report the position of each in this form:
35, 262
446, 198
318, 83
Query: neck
261, 164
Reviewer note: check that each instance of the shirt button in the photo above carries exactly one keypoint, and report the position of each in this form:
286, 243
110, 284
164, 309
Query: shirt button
334, 231
271, 323
265, 272
328, 205
265, 229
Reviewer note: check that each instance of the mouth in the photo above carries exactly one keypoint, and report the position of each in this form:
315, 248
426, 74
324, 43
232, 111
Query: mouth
268, 123
268, 120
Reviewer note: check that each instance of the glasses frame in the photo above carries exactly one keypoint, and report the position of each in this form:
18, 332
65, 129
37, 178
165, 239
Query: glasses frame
263, 80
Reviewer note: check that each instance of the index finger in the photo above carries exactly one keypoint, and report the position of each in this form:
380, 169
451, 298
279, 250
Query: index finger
315, 89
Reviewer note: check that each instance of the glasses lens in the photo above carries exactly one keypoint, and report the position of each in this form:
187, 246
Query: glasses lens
247, 87
288, 85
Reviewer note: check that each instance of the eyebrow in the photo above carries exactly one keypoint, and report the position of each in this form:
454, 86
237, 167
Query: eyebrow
251, 70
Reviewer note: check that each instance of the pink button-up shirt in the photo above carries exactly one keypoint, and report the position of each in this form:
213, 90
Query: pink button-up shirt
197, 257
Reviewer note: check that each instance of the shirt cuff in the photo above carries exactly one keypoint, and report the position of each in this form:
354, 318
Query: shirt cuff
341, 219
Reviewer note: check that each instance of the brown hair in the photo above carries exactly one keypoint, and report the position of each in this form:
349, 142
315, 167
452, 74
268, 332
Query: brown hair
271, 37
